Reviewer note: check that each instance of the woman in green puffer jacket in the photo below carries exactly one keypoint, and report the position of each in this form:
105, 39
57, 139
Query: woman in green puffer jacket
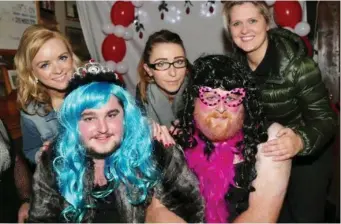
294, 95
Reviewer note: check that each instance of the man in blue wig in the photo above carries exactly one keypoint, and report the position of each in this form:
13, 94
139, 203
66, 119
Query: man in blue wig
104, 166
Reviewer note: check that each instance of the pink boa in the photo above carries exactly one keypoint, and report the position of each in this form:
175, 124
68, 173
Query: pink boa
215, 175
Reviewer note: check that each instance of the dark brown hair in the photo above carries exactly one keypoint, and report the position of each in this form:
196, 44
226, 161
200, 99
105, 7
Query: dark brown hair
162, 36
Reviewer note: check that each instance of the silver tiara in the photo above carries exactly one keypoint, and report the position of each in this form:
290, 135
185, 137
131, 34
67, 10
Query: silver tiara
93, 68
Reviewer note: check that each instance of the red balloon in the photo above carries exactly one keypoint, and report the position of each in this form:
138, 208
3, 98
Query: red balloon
308, 45
113, 48
122, 13
287, 13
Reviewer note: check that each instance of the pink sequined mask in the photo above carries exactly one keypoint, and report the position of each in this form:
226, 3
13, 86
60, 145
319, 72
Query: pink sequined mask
211, 97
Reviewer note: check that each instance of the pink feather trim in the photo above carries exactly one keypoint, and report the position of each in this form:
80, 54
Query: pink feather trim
215, 175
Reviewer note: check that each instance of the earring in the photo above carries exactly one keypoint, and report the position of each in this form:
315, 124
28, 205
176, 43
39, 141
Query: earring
36, 79
151, 79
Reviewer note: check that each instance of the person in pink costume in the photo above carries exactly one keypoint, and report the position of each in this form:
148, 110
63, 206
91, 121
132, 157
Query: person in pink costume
221, 128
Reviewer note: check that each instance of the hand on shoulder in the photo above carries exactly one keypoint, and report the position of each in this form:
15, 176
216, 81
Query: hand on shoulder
262, 157
43, 148
272, 172
161, 134
283, 143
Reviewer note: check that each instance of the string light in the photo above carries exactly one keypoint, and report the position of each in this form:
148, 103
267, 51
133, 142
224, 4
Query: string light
173, 15
205, 10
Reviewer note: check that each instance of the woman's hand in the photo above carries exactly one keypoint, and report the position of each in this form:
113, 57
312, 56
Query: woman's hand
285, 146
43, 148
23, 212
161, 133
174, 130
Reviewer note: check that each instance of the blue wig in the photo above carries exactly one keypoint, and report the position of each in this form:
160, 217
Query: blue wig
130, 164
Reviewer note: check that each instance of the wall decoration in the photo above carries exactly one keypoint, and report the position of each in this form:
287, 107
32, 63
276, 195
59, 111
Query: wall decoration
163, 7
5, 86
9, 112
120, 29
173, 15
208, 9
211, 6
137, 3
71, 10
7, 68
13, 79
2, 86
78, 44
47, 5
47, 11
15, 17
188, 4
139, 28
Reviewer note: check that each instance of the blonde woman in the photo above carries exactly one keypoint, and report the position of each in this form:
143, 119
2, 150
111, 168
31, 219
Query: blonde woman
294, 95
44, 63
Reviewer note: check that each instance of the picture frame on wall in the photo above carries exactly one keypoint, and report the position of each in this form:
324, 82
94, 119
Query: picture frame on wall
13, 79
47, 6
5, 81
71, 11
47, 11
6, 68
2, 85
76, 38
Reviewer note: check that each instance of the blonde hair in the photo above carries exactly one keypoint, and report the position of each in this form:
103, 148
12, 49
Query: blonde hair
228, 5
31, 41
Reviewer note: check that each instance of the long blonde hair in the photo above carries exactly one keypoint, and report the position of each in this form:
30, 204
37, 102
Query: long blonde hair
31, 41
228, 5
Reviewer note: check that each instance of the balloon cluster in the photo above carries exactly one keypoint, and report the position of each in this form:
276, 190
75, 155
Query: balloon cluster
114, 48
288, 14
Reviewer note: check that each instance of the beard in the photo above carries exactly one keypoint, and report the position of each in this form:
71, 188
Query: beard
100, 154
219, 127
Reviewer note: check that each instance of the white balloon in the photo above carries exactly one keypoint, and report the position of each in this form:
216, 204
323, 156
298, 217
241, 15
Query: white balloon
108, 28
302, 29
122, 67
270, 2
119, 30
137, 3
111, 65
289, 28
128, 33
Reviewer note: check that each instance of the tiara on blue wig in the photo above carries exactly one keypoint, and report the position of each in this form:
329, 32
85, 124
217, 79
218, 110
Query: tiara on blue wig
92, 72
130, 165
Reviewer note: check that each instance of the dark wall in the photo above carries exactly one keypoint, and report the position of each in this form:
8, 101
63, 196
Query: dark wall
311, 17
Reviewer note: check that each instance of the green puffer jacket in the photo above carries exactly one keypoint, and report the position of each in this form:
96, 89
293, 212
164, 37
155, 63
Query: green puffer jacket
293, 92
